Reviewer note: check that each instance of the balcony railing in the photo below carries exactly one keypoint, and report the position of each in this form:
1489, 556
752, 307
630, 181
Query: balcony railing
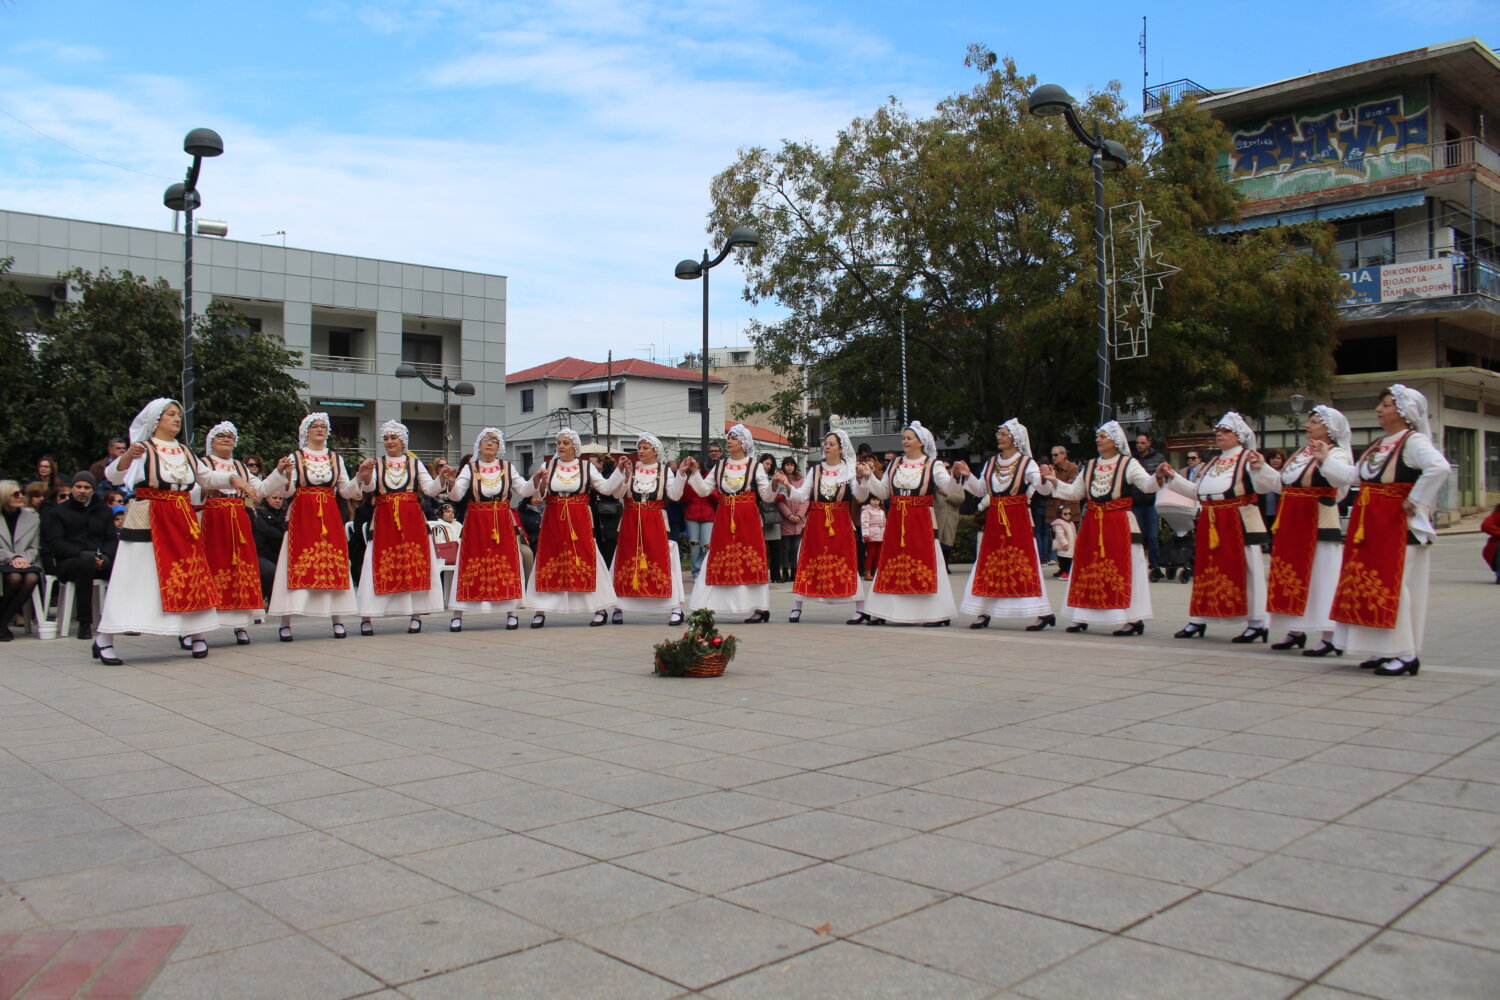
1323, 175
1152, 98
335, 363
436, 370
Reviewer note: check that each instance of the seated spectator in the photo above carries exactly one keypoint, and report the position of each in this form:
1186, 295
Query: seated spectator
78, 547
113, 497
448, 517
47, 475
112, 453
268, 524
119, 512
36, 496
19, 546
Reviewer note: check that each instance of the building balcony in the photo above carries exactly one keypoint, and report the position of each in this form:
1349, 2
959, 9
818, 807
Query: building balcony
1427, 166
435, 370
1153, 98
338, 363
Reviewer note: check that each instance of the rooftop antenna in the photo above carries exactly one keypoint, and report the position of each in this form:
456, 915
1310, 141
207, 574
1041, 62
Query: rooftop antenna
1145, 71
279, 232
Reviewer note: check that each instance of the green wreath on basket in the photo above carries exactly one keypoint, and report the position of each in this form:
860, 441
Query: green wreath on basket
675, 656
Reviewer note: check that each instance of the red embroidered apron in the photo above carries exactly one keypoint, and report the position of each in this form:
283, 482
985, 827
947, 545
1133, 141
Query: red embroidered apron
1007, 557
489, 557
565, 554
1293, 546
317, 552
908, 557
643, 554
1102, 575
1219, 566
229, 545
1369, 590
828, 564
402, 549
182, 569
737, 552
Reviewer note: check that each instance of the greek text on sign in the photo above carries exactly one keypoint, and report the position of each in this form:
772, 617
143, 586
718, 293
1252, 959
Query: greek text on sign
1418, 279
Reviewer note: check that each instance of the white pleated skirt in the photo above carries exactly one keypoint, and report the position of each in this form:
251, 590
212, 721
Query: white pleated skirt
1327, 558
1411, 616
915, 609
133, 601
564, 601
1140, 597
480, 607
407, 604
730, 600
1007, 607
1255, 590
309, 603
656, 605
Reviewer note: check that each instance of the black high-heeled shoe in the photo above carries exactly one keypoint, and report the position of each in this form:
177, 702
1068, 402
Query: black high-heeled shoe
339, 632
676, 619
1372, 663
1260, 633
1134, 628
538, 620
600, 618
983, 621
1402, 666
1191, 631
1293, 640
108, 659
199, 654
758, 618
366, 629
455, 625
941, 624
1042, 623
414, 626
1323, 648
1077, 627
794, 616
875, 621
185, 643
618, 618
511, 624
285, 633
859, 618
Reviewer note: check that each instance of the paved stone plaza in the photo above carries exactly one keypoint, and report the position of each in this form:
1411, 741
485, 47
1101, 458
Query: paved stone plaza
896, 812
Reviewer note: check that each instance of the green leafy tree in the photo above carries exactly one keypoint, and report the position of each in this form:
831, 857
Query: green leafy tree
19, 416
118, 344
972, 229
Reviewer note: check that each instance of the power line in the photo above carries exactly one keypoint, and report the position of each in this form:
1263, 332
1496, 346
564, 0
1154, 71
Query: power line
80, 152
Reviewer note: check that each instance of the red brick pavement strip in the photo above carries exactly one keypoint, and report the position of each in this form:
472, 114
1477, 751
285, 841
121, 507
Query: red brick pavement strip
114, 963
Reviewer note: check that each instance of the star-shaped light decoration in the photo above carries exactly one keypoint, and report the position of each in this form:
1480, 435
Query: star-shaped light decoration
1136, 272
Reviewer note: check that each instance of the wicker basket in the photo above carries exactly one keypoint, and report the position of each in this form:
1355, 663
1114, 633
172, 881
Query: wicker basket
708, 665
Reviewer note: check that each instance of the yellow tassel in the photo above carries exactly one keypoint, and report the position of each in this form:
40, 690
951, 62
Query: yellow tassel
321, 521
1364, 501
1005, 520
1276, 524
903, 525
828, 520
1100, 521
1213, 527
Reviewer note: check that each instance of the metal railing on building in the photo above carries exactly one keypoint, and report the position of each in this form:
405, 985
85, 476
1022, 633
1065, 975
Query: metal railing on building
436, 370
1152, 98
337, 363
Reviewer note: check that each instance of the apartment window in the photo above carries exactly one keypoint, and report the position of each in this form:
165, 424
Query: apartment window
421, 349
528, 400
341, 343
1365, 354
695, 400
1366, 242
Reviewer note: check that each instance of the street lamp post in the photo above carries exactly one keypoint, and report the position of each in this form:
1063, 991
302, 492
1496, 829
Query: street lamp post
407, 370
200, 142
743, 236
1047, 101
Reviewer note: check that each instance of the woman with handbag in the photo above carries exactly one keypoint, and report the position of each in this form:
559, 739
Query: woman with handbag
312, 571
488, 576
647, 569
736, 576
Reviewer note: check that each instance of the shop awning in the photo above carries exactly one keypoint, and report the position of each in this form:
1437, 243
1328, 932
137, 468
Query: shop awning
1336, 210
588, 387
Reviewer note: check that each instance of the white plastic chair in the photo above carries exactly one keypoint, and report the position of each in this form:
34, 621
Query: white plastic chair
66, 598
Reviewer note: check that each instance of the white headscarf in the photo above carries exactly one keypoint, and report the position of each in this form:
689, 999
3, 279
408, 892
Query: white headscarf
397, 428
1234, 422
1018, 434
572, 435
1337, 424
307, 422
743, 433
655, 442
1412, 406
929, 446
145, 422
1116, 434
846, 457
222, 427
493, 432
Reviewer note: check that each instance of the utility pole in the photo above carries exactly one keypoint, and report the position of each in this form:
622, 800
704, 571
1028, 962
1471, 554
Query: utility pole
609, 413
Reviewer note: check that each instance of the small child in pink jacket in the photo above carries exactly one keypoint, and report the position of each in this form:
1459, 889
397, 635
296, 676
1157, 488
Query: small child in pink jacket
872, 526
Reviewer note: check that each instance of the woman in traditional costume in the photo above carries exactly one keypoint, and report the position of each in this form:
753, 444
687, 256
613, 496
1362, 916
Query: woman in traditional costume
161, 583
401, 576
647, 570
828, 563
736, 578
911, 581
228, 537
1006, 579
312, 572
569, 573
1380, 604
1229, 575
1306, 543
1108, 584
488, 578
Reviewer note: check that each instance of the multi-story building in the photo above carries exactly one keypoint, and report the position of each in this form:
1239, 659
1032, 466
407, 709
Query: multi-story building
747, 382
353, 319
1401, 155
608, 402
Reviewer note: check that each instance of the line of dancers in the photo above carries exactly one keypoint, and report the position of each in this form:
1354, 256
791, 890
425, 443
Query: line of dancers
185, 574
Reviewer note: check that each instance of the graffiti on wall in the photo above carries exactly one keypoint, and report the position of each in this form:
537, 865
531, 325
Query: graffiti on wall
1332, 146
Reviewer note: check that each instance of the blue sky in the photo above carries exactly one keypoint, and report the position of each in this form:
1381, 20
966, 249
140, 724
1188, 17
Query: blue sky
568, 145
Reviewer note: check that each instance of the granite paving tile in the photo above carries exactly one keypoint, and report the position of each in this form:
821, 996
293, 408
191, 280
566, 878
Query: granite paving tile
338, 895
556, 969
484, 864
715, 864
613, 835
845, 900
531, 809
1166, 858
845, 969
1262, 831
276, 858
1453, 913
584, 898
1322, 887
1032, 832
1397, 966
941, 862
822, 834
292, 968
1106, 900
1383, 851
1138, 970
86, 892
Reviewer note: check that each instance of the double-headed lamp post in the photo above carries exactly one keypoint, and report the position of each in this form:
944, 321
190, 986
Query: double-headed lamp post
743, 236
1047, 101
408, 370
200, 142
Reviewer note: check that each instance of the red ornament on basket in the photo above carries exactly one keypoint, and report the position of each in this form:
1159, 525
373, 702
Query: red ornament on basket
718, 640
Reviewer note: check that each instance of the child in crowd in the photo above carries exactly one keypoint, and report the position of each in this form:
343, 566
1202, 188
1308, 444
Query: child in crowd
1064, 534
872, 524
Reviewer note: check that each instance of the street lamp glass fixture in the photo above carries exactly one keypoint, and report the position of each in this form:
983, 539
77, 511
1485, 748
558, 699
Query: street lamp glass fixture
405, 370
203, 142
1049, 100
463, 389
687, 270
176, 198
744, 236
1114, 156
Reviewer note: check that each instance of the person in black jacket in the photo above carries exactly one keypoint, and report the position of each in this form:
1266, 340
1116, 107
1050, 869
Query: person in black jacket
268, 524
78, 543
